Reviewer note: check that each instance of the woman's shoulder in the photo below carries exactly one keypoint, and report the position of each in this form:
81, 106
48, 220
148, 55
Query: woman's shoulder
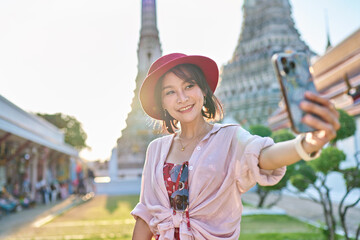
227, 128
234, 131
157, 142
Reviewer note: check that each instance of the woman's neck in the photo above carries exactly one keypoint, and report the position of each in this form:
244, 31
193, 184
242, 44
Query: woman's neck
194, 129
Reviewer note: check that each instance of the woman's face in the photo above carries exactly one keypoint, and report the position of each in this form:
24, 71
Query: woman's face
182, 99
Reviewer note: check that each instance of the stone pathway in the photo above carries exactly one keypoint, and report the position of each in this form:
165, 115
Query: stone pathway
38, 215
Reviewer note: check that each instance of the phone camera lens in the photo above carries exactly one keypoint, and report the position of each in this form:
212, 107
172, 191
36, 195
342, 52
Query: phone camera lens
292, 65
286, 70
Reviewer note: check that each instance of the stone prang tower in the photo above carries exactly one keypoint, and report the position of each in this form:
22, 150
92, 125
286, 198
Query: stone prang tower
131, 146
249, 89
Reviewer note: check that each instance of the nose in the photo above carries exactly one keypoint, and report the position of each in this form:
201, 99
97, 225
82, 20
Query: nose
182, 97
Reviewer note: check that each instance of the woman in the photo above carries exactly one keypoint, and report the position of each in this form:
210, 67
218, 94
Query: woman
193, 178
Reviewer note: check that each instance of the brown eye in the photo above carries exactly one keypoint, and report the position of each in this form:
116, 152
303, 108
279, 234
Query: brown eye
169, 92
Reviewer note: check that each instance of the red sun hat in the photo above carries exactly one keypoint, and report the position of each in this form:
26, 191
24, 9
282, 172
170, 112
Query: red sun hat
164, 64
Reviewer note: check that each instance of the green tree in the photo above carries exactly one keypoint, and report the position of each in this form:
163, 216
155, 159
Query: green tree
352, 181
278, 136
348, 126
260, 130
315, 173
74, 133
282, 135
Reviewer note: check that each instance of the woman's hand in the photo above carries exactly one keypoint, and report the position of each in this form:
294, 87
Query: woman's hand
327, 125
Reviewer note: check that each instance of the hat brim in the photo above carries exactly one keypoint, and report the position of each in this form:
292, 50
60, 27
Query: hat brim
147, 90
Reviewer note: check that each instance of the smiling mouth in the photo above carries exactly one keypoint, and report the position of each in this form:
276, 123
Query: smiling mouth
185, 108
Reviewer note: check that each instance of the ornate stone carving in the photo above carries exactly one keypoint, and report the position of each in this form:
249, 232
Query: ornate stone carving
248, 88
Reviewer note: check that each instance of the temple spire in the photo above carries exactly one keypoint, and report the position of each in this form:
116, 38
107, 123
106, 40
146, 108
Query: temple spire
149, 45
328, 44
131, 146
248, 89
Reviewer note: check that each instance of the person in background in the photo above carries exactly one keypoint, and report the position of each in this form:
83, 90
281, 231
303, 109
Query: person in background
7, 202
91, 178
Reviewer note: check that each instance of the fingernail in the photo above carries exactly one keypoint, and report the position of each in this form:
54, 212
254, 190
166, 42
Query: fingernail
302, 104
308, 93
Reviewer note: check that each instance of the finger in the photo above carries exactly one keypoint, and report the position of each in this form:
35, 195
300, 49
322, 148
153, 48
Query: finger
337, 124
322, 101
317, 98
334, 110
319, 124
321, 111
326, 103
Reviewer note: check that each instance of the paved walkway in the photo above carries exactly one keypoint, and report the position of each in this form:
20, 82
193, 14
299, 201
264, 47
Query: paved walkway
42, 213
306, 210
38, 215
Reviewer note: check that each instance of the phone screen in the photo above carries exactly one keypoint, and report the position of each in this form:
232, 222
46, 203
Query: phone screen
295, 78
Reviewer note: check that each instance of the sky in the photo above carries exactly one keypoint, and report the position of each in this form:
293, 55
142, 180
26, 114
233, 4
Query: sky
79, 57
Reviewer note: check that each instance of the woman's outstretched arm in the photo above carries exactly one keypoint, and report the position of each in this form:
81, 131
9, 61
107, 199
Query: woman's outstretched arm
279, 155
284, 153
141, 230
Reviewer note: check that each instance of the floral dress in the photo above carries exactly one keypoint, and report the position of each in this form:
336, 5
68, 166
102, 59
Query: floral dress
176, 182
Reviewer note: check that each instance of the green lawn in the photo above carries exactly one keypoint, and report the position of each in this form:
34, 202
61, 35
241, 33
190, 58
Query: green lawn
281, 236
257, 227
276, 227
108, 217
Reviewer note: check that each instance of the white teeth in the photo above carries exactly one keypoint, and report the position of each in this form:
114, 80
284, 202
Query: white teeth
185, 108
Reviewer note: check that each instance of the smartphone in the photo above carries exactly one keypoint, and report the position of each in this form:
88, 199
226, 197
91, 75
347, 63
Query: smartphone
292, 71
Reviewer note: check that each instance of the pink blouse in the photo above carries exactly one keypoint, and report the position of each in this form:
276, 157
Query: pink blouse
222, 167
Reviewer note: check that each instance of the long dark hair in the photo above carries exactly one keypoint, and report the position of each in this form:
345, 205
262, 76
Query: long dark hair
212, 109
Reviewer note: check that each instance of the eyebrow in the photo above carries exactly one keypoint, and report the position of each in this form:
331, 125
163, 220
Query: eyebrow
185, 82
166, 88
